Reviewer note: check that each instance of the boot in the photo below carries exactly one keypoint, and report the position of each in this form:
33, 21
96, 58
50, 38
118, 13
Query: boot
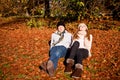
43, 66
78, 71
50, 68
69, 65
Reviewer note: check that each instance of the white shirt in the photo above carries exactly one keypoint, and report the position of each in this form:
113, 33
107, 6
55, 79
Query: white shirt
85, 43
81, 41
66, 41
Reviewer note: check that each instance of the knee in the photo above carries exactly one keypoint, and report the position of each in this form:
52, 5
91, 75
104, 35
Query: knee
58, 54
76, 43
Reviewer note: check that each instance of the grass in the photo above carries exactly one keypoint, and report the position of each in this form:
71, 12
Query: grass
68, 76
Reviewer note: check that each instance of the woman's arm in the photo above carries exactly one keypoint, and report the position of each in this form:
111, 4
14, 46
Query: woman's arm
88, 44
51, 43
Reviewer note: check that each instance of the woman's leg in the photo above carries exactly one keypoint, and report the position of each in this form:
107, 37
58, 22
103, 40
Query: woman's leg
56, 53
70, 59
74, 49
81, 54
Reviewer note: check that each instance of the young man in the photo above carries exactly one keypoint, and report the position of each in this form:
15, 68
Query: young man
60, 42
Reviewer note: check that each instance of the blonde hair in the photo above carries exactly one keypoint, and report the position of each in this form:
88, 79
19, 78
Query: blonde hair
75, 36
82, 24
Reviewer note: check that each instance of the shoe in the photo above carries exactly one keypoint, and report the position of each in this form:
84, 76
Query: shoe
69, 65
43, 66
77, 72
50, 68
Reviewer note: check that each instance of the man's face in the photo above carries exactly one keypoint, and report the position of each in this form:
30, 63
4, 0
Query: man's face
61, 28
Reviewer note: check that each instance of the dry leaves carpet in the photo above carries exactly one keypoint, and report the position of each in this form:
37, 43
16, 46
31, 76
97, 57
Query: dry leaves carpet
22, 50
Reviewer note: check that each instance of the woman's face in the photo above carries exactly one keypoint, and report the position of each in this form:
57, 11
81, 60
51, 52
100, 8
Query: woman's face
82, 28
61, 28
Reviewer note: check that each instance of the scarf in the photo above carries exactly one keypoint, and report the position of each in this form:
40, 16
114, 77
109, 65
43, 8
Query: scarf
61, 37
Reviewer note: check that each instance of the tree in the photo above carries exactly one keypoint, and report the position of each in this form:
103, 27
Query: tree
31, 4
47, 9
114, 7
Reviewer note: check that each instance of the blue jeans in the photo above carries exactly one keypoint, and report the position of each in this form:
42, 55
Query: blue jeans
57, 52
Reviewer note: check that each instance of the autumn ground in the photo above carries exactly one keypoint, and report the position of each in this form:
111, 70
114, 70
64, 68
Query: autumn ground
22, 50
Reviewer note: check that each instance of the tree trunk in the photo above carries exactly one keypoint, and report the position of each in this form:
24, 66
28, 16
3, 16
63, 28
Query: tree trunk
47, 9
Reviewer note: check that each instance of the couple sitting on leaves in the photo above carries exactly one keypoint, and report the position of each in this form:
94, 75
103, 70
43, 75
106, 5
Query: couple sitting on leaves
79, 50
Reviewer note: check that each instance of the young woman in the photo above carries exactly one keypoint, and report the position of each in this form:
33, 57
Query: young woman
60, 42
80, 50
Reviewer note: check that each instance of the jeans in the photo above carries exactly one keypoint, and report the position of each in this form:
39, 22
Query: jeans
57, 52
78, 53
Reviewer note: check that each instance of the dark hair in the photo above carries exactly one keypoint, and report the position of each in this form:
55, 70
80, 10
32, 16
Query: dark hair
60, 23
